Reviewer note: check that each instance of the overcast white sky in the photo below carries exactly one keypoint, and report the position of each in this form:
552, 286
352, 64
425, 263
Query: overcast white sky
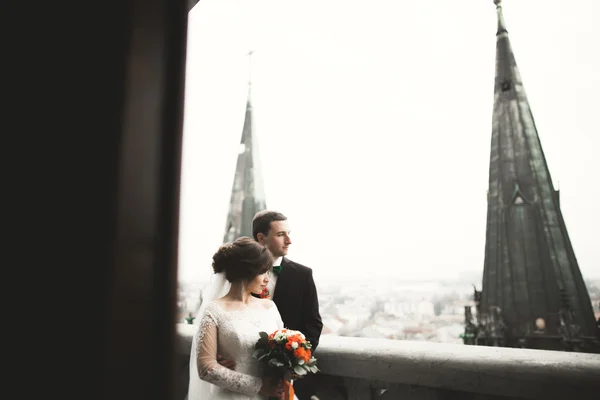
374, 122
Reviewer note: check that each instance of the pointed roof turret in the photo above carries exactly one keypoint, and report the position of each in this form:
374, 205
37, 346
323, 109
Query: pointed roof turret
247, 193
529, 263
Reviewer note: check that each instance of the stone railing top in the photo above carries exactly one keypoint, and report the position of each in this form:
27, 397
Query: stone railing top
536, 374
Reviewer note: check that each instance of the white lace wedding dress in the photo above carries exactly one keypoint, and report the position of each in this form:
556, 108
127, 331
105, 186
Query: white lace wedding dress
232, 334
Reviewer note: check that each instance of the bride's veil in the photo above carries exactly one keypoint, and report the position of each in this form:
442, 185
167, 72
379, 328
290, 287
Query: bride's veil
217, 288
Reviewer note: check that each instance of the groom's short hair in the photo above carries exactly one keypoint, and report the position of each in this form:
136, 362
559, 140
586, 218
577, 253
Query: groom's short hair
261, 223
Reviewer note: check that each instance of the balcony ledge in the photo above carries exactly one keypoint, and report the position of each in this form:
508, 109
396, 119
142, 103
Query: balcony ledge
389, 364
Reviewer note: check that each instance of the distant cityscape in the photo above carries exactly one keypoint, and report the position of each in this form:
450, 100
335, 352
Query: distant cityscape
530, 292
426, 310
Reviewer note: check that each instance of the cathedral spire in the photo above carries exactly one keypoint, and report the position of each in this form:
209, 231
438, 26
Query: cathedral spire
531, 276
247, 193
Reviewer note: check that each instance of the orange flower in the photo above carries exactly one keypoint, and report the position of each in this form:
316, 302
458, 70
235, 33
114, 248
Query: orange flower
295, 338
288, 345
299, 353
308, 355
302, 354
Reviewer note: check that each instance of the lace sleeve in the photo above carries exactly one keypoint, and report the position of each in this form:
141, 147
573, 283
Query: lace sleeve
211, 371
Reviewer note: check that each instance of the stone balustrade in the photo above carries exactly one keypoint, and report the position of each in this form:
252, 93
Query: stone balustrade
360, 368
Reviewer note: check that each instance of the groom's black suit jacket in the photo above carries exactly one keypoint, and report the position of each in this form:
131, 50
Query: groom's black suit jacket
297, 302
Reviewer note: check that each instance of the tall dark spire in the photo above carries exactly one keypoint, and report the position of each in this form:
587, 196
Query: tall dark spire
247, 193
533, 293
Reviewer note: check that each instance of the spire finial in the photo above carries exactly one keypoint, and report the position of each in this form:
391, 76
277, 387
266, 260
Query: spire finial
250, 67
501, 25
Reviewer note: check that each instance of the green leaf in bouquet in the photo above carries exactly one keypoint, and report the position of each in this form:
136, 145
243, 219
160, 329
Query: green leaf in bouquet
262, 344
299, 370
257, 353
313, 368
275, 362
264, 336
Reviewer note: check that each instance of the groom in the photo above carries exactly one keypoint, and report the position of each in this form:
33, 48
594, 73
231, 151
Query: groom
291, 287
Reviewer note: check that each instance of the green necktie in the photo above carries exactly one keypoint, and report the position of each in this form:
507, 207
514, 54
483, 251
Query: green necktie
277, 269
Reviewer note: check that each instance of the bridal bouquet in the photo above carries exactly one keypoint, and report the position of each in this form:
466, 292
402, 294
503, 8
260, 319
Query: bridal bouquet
285, 354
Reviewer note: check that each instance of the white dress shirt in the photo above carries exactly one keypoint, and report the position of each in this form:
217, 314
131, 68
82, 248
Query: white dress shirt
273, 280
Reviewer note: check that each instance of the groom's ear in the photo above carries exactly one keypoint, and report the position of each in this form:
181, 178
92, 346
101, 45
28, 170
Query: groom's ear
260, 238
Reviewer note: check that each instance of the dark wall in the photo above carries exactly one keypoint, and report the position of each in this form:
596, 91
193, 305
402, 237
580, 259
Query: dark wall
95, 128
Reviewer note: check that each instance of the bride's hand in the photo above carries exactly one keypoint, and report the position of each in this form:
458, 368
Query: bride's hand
226, 363
271, 389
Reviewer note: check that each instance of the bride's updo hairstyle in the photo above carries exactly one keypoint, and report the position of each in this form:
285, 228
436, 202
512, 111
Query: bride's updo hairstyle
242, 260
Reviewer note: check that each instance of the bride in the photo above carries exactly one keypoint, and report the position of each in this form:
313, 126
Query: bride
229, 326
